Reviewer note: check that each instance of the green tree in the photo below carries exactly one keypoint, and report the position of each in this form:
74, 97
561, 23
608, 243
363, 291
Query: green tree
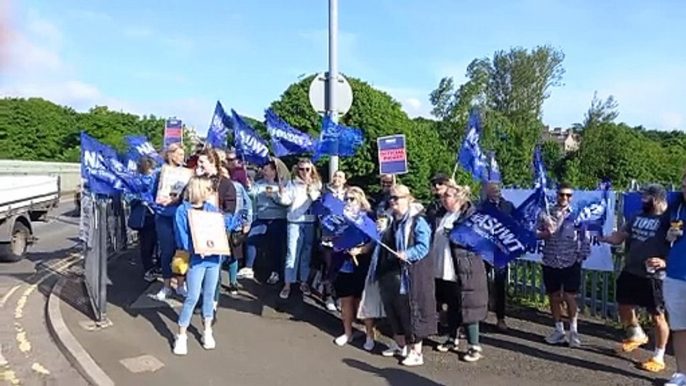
377, 115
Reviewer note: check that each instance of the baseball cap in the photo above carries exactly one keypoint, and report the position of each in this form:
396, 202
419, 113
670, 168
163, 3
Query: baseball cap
656, 191
439, 179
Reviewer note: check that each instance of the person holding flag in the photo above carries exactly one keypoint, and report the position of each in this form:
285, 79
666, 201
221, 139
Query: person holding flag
460, 274
566, 247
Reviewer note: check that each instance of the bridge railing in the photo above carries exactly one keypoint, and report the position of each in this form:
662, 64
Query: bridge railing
70, 173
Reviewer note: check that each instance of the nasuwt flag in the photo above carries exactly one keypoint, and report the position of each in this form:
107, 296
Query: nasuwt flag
495, 236
471, 157
493, 169
139, 146
219, 127
591, 215
337, 139
248, 145
350, 227
103, 171
285, 139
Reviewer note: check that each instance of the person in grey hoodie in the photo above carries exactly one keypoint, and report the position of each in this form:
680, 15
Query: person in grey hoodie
269, 227
298, 196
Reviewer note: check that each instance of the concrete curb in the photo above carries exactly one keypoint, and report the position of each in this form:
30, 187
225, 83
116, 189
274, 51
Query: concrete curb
66, 341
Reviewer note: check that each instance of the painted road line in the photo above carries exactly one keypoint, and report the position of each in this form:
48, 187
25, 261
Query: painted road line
22, 340
8, 295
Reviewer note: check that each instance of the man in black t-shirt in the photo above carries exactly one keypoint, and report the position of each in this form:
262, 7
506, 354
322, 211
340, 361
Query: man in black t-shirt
640, 283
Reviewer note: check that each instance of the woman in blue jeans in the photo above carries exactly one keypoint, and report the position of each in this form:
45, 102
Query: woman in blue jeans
298, 196
203, 272
269, 227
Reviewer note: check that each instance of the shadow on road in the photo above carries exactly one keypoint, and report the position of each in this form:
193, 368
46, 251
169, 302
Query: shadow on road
394, 376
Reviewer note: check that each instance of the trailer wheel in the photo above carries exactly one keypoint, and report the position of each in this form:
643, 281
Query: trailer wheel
19, 243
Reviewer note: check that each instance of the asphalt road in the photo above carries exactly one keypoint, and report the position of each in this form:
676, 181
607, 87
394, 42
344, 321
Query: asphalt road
29, 356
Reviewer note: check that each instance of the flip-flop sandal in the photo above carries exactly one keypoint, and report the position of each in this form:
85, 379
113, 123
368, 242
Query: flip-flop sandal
652, 365
630, 345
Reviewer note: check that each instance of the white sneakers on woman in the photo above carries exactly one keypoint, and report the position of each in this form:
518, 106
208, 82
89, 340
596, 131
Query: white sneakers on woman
345, 339
181, 343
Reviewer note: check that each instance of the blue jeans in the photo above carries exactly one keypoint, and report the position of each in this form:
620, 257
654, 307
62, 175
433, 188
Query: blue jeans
300, 237
202, 276
164, 227
270, 235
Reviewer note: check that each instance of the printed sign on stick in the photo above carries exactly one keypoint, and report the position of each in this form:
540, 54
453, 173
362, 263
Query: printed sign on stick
392, 154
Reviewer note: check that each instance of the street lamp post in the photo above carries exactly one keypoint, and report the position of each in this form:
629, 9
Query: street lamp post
333, 77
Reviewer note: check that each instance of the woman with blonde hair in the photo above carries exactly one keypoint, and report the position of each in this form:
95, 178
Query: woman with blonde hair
460, 274
203, 272
349, 269
298, 195
405, 277
174, 157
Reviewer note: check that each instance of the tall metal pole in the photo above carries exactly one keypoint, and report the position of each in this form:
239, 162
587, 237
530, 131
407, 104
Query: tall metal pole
333, 76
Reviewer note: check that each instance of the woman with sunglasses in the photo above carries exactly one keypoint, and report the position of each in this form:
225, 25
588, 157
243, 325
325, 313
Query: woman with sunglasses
460, 274
349, 272
298, 195
406, 277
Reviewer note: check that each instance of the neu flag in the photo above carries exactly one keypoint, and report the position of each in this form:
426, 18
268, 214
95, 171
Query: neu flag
336, 139
248, 145
471, 157
285, 139
492, 234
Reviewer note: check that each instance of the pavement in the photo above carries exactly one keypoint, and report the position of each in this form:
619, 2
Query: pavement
28, 356
262, 340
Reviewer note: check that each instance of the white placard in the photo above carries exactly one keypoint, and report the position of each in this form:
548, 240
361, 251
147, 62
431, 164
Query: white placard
601, 254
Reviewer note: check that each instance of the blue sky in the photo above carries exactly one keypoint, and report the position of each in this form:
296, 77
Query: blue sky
178, 57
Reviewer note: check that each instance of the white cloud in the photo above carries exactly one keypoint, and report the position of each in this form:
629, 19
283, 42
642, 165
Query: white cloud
415, 102
36, 69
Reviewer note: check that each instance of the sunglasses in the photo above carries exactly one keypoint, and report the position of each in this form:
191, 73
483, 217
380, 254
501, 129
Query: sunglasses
386, 182
231, 159
395, 198
568, 195
349, 199
304, 169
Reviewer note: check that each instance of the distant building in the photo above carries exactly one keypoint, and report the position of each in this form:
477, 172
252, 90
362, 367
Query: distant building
193, 137
568, 139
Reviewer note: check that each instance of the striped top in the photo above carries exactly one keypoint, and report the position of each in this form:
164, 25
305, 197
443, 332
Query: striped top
567, 245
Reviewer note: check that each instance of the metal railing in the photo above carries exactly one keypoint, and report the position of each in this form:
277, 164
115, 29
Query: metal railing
104, 234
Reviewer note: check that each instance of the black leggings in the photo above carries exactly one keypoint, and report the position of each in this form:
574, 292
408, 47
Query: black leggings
447, 292
397, 307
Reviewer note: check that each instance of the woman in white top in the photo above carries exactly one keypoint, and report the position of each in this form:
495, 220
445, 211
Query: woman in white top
298, 195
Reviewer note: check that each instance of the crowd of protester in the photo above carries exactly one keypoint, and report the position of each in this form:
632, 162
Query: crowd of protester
416, 274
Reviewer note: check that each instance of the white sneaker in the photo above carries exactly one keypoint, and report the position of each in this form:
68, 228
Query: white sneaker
473, 354
330, 304
273, 278
342, 340
413, 359
182, 291
394, 350
557, 337
181, 345
285, 293
246, 273
677, 379
208, 342
162, 294
369, 344
574, 340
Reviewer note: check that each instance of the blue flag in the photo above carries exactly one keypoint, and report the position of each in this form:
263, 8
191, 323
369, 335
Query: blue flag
285, 139
493, 169
540, 175
219, 128
248, 145
139, 146
592, 215
492, 234
471, 157
350, 229
336, 139
527, 215
103, 171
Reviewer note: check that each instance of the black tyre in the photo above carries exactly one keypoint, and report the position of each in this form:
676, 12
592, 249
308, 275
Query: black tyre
18, 245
